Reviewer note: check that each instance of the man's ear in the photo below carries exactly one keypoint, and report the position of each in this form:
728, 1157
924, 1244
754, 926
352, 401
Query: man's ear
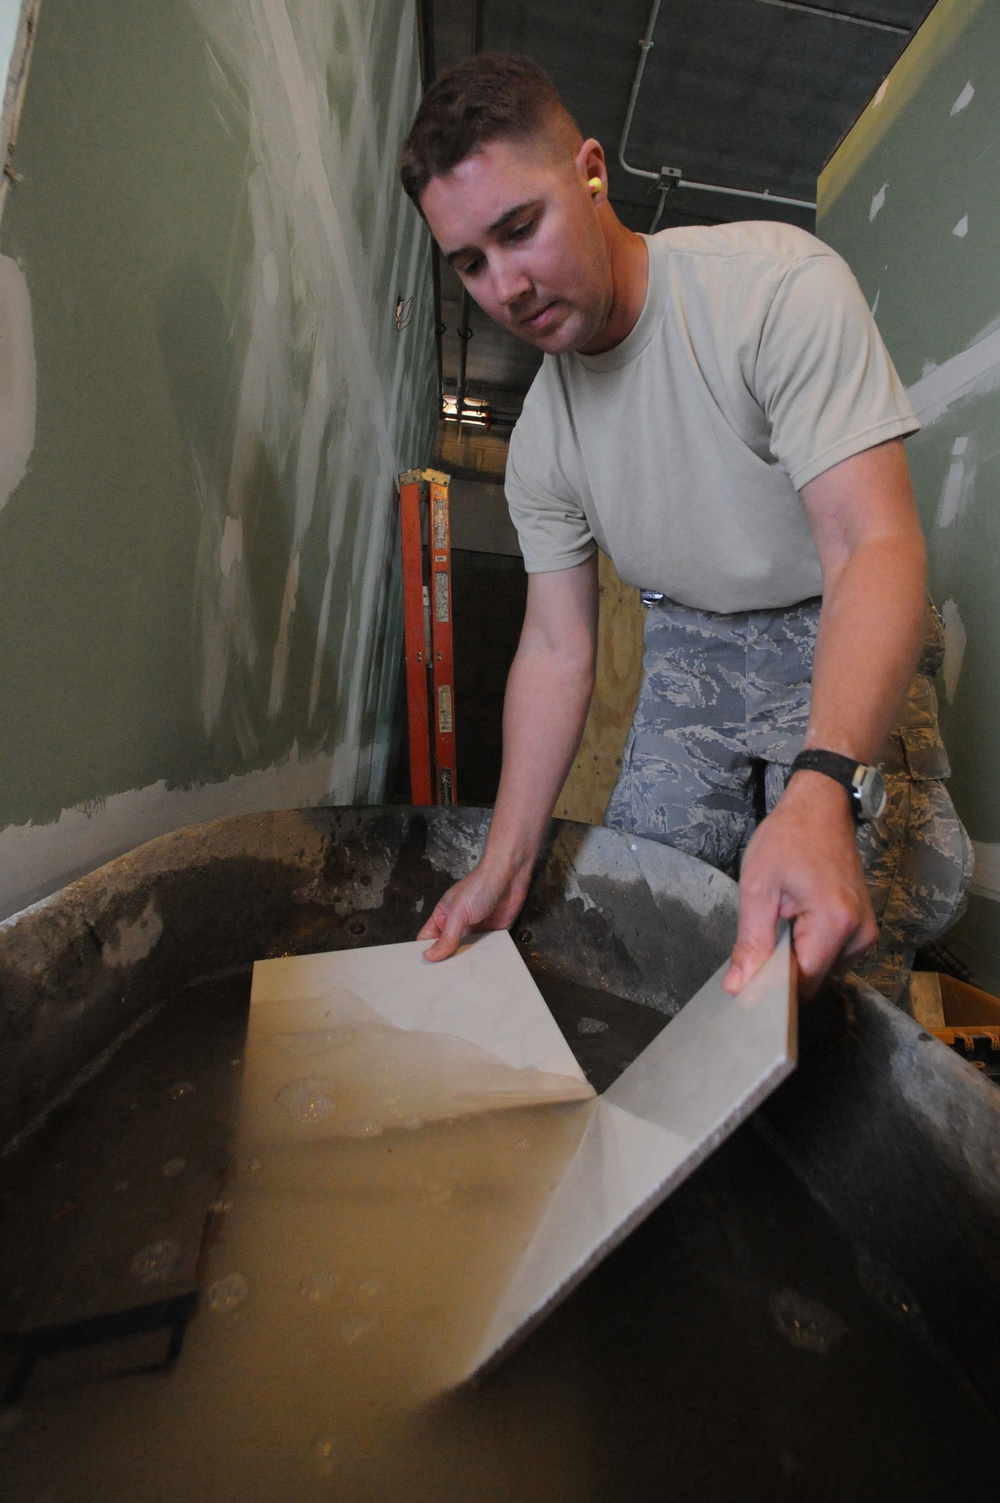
589, 163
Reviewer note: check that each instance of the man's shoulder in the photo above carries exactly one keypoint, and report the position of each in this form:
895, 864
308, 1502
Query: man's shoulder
765, 244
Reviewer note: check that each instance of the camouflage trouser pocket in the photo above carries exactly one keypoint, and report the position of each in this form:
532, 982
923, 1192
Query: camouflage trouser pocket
918, 864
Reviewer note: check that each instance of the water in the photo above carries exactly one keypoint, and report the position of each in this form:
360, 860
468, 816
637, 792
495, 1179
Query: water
319, 1288
156, 1263
226, 1293
374, 1215
732, 1350
307, 1100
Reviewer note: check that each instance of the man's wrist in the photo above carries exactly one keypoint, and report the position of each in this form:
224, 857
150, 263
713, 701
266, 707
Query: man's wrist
821, 793
506, 861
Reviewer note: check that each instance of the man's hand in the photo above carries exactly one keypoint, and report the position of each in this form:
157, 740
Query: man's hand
481, 901
802, 863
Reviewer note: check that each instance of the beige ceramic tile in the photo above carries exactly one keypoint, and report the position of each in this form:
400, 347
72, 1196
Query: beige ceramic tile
484, 995
698, 1079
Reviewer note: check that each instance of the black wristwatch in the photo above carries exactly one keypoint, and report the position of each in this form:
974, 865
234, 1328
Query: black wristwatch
866, 785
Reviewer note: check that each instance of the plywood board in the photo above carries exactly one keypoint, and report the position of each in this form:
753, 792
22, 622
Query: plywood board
589, 783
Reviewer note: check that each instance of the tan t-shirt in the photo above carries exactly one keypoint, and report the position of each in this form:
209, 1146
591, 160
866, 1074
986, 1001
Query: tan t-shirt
754, 366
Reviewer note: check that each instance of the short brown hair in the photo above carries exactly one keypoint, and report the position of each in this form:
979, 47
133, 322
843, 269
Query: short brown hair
492, 96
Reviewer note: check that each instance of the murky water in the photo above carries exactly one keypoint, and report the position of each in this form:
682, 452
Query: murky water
732, 1350
376, 1210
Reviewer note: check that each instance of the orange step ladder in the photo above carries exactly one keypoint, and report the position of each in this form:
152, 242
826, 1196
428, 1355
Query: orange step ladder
427, 616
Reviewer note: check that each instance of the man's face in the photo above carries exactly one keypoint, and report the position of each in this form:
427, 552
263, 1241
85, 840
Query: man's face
525, 237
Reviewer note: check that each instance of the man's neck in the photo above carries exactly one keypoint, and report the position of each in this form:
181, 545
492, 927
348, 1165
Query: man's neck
629, 262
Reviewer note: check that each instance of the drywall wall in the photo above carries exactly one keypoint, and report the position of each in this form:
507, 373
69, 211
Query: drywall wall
18, 20
204, 403
10, 15
912, 199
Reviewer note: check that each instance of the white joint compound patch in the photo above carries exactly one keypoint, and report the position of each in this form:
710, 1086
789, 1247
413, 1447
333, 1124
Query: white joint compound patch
35, 860
974, 371
957, 486
17, 378
955, 640
231, 547
964, 100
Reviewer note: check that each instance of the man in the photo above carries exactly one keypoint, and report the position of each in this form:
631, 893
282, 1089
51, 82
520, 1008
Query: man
715, 410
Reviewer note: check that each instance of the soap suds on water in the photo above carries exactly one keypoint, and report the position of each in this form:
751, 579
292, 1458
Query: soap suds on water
319, 1288
226, 1293
307, 1100
387, 1182
156, 1263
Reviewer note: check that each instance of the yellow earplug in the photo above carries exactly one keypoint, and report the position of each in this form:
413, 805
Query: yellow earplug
595, 185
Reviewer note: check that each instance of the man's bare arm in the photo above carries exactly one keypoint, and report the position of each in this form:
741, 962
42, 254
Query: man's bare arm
802, 862
548, 691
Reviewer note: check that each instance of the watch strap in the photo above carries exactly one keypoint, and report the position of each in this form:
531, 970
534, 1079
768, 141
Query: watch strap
864, 784
841, 769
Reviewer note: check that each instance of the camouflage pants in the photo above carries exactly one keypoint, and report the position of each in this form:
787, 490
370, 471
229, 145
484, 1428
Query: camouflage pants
721, 716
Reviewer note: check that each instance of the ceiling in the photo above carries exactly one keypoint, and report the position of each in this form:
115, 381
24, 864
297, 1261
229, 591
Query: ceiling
751, 94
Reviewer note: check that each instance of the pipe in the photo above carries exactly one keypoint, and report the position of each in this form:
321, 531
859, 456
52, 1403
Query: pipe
428, 68
464, 335
839, 15
645, 46
425, 39
438, 324
464, 331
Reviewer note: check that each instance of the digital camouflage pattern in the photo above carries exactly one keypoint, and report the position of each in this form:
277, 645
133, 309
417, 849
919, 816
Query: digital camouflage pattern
722, 714
919, 860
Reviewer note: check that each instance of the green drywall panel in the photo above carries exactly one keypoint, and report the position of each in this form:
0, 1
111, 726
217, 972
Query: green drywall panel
196, 574
928, 259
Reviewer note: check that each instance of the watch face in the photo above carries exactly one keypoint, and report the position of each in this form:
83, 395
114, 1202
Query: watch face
871, 793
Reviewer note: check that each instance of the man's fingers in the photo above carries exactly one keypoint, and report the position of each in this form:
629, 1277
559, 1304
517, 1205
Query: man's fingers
432, 928
444, 947
845, 928
435, 924
449, 940
474, 904
457, 925
754, 938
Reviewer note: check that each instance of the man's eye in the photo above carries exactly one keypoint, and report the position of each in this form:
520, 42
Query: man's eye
523, 230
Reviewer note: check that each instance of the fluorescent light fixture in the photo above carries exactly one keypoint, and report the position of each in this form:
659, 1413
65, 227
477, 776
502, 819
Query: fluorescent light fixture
474, 411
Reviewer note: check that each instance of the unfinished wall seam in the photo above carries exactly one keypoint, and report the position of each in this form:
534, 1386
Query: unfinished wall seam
13, 99
36, 860
18, 378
